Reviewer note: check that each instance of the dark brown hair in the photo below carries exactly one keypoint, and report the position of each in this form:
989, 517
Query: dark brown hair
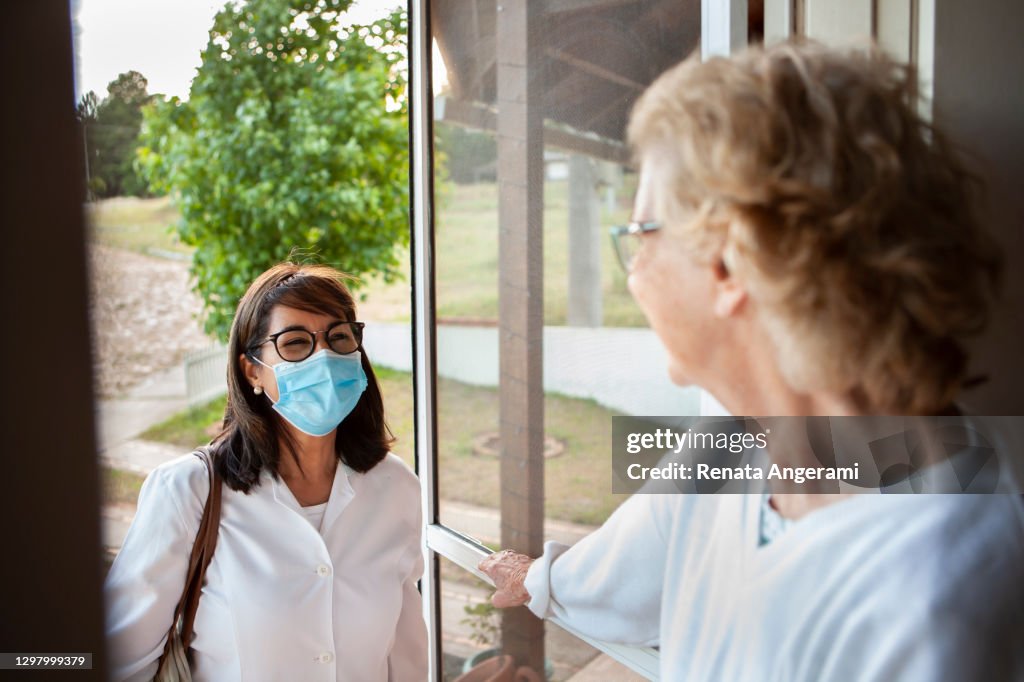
253, 432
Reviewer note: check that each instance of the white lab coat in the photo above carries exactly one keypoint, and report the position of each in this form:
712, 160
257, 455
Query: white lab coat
281, 601
875, 587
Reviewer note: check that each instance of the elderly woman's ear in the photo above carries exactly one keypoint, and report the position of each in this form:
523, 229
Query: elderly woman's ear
729, 290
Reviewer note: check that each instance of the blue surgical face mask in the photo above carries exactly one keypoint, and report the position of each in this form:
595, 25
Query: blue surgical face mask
316, 394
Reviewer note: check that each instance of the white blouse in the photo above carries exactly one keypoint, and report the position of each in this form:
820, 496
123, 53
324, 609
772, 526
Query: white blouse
874, 588
281, 601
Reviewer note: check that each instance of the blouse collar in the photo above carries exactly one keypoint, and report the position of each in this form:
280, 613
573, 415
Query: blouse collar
341, 494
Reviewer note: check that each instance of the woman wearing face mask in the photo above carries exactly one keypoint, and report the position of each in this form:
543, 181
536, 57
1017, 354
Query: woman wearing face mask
318, 551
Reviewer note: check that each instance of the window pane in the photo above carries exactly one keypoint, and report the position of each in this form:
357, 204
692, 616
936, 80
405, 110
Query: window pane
538, 340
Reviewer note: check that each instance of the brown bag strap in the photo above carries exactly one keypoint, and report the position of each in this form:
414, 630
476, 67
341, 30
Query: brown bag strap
202, 553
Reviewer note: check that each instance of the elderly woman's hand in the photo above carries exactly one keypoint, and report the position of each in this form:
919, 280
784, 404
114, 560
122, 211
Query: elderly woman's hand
508, 571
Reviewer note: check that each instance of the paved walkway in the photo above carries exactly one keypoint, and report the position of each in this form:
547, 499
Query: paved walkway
121, 420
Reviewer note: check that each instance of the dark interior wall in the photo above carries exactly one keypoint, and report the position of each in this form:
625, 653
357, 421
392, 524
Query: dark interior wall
979, 99
51, 599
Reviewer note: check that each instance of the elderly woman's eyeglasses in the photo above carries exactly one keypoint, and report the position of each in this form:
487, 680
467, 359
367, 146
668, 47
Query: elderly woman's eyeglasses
628, 239
297, 344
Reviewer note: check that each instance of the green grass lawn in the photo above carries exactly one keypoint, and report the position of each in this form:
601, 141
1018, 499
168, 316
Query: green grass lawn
577, 482
189, 428
467, 257
140, 225
120, 486
467, 254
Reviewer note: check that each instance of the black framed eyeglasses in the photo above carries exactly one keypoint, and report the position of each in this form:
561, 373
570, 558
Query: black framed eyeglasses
628, 240
296, 344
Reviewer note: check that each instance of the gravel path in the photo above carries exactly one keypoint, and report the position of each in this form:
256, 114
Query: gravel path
145, 317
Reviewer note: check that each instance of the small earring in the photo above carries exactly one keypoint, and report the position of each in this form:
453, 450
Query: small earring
258, 390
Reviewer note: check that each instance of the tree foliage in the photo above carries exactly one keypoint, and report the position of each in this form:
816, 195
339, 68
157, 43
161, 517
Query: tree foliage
87, 106
294, 136
111, 130
469, 156
85, 114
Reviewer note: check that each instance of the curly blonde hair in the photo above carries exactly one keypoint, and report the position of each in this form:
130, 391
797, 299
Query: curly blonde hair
850, 216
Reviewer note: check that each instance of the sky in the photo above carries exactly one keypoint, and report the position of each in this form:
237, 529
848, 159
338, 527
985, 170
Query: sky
161, 39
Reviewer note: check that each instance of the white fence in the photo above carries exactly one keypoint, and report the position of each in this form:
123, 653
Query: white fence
205, 374
621, 368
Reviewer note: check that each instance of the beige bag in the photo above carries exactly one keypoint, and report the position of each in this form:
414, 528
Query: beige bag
174, 662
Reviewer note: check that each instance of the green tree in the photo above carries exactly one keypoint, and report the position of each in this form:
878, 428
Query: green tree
294, 136
112, 133
85, 113
469, 155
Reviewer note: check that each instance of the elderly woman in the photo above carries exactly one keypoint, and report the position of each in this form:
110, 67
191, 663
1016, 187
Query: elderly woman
805, 244
318, 554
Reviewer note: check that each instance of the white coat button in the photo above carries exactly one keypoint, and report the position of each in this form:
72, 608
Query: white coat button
326, 657
323, 570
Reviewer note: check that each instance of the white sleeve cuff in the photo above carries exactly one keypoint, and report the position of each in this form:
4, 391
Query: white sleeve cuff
538, 579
